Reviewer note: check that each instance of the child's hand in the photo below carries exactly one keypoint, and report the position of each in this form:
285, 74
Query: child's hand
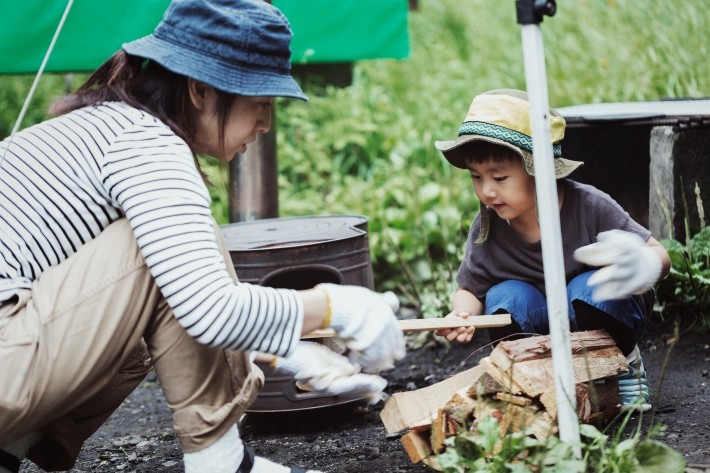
461, 334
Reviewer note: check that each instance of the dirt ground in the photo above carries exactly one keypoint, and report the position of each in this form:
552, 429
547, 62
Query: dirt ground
350, 437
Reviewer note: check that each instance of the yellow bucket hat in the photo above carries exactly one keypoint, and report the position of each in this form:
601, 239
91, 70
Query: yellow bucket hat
502, 117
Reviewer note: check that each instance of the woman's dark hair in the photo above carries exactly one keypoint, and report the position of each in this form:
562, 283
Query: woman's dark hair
148, 86
478, 152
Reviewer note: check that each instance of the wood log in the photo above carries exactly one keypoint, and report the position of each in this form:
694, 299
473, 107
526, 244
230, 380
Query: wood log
485, 386
512, 399
525, 365
595, 401
543, 425
530, 348
423, 425
417, 445
516, 419
501, 375
438, 432
489, 408
460, 407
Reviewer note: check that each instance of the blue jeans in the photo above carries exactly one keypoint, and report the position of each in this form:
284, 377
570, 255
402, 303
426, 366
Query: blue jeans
528, 306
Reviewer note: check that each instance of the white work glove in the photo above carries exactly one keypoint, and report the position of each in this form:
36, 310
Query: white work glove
366, 322
323, 370
630, 266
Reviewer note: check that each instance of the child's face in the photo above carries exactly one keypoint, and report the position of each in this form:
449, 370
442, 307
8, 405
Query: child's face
505, 188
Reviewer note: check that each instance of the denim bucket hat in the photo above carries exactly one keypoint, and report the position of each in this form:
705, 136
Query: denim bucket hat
502, 117
237, 46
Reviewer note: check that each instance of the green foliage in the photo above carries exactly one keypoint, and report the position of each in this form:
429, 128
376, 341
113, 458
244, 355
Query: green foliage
688, 283
369, 148
14, 89
484, 451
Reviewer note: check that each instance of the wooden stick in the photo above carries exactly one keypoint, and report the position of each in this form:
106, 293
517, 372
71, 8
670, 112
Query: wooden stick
429, 325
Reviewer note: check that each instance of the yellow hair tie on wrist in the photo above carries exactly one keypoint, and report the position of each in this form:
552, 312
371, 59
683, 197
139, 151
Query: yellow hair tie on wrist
328, 310
272, 363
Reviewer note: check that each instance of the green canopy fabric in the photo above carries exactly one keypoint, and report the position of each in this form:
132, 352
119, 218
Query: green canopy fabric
324, 31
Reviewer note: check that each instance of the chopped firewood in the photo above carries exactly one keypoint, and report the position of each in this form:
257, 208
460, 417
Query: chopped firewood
531, 348
416, 445
501, 376
594, 357
423, 425
515, 385
543, 425
485, 385
512, 399
591, 399
452, 427
406, 408
460, 407
515, 419
438, 432
489, 408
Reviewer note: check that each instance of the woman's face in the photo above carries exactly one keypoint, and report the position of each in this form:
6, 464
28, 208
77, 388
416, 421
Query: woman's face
247, 117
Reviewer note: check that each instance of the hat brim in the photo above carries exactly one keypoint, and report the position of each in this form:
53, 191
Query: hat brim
453, 151
233, 78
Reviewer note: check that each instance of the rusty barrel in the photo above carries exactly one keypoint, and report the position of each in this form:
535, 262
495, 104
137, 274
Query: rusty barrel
298, 253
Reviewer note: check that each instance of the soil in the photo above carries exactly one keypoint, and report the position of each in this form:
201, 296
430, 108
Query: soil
351, 438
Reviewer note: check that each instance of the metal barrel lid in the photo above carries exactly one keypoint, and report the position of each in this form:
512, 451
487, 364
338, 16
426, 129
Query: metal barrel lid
659, 112
289, 232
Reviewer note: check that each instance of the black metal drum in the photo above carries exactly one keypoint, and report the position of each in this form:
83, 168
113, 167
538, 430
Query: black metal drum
298, 253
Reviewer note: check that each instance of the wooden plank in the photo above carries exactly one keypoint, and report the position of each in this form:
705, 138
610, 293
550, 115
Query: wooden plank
408, 408
432, 324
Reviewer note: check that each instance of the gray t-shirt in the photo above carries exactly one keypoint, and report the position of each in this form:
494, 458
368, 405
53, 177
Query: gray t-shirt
586, 211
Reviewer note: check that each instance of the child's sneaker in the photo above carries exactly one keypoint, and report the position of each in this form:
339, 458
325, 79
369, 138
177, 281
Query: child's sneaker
633, 385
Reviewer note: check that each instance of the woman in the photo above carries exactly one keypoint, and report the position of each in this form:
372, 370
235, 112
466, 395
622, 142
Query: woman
112, 264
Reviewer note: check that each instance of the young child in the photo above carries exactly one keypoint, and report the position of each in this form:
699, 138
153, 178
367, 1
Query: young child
502, 270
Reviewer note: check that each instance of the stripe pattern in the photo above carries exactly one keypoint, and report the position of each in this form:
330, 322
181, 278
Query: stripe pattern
65, 180
521, 140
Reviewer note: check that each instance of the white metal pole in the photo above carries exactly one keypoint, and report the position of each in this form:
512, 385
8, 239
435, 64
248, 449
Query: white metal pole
550, 233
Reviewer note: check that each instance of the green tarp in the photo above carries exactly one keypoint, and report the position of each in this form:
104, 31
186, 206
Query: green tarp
324, 30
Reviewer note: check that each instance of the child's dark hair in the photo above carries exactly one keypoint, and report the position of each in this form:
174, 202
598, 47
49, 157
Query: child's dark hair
478, 152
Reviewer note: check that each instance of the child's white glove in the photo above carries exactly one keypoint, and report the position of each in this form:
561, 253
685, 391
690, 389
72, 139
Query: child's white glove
323, 370
366, 322
630, 266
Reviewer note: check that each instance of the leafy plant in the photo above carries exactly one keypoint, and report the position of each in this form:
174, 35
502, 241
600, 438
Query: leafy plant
485, 451
688, 283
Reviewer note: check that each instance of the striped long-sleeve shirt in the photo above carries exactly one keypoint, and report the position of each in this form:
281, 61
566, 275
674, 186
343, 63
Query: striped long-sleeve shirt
65, 180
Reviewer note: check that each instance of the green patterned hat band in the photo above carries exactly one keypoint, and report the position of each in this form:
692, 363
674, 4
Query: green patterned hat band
513, 137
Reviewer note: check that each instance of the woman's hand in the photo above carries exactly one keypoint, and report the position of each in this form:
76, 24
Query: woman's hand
366, 322
325, 371
460, 334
